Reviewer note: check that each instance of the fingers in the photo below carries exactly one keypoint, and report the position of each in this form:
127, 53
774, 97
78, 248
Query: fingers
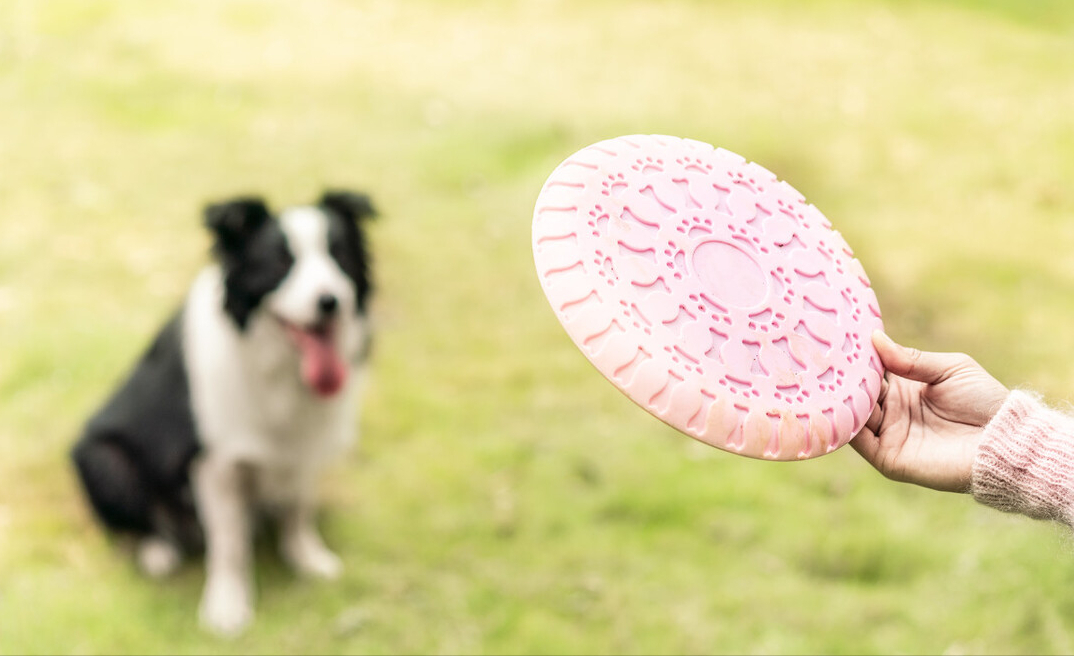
865, 441
922, 366
884, 385
867, 445
876, 417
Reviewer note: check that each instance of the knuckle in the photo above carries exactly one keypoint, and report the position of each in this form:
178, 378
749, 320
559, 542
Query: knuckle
963, 360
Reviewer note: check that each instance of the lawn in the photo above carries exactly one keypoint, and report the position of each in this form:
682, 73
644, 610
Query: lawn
504, 498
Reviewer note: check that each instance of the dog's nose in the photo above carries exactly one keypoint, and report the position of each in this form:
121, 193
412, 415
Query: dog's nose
327, 304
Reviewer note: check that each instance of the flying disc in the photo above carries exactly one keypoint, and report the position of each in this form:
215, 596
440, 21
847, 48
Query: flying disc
711, 294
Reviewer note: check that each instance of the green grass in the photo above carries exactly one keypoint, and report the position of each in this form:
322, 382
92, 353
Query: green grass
504, 498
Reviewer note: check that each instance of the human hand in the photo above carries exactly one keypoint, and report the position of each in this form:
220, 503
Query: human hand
930, 417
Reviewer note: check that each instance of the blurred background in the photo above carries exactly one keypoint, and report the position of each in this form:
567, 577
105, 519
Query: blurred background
504, 497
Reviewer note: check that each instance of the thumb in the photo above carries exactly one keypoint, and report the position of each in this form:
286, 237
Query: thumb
915, 364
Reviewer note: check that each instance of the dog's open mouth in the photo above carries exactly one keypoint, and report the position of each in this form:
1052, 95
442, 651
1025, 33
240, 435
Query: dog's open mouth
322, 369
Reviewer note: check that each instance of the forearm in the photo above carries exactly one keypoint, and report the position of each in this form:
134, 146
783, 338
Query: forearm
1025, 463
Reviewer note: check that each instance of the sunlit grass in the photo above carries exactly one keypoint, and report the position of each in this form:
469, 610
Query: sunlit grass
505, 499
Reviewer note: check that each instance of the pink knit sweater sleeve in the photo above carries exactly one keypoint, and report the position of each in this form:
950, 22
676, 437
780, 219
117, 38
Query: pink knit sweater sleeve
1025, 463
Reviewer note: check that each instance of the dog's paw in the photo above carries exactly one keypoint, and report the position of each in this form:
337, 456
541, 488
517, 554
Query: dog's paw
158, 558
226, 609
318, 563
304, 550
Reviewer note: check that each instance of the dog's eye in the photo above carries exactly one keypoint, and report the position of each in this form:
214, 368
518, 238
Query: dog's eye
268, 263
343, 249
347, 248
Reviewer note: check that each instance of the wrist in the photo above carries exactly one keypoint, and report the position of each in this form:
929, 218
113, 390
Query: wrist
970, 450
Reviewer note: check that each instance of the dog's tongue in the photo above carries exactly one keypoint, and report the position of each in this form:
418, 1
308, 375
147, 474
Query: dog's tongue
322, 368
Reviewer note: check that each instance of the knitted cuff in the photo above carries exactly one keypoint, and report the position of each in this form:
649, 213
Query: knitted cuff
1025, 463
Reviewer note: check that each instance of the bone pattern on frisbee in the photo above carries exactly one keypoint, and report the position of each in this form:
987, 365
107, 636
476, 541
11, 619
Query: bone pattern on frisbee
711, 294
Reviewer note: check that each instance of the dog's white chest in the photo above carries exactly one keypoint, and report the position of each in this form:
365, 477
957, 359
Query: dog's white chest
248, 399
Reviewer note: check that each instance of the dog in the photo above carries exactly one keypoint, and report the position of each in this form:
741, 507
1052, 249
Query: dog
243, 397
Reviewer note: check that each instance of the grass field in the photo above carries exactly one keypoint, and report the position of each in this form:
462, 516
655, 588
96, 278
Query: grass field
504, 497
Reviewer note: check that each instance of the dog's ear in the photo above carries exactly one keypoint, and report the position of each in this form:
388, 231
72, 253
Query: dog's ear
233, 221
350, 205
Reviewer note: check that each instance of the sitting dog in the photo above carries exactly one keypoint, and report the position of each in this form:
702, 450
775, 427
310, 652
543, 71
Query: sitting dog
240, 401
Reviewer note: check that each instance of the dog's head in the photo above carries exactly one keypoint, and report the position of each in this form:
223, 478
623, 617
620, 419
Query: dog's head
305, 270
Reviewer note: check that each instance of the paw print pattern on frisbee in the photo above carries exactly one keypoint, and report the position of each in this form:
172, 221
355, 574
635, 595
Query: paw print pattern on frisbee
711, 294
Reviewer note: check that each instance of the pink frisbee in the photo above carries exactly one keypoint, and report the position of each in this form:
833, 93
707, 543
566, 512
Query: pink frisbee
711, 294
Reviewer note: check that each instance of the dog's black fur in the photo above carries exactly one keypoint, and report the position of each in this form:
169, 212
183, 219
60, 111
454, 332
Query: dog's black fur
134, 457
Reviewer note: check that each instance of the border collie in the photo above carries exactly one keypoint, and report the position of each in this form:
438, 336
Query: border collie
240, 401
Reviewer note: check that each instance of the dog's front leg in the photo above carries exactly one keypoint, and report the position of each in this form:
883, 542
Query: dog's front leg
221, 488
301, 544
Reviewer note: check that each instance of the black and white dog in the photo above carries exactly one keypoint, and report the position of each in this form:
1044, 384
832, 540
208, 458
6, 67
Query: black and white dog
240, 401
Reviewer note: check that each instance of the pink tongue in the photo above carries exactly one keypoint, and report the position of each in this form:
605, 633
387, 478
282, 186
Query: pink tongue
322, 369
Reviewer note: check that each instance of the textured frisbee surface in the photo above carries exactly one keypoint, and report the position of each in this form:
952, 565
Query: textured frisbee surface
711, 294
